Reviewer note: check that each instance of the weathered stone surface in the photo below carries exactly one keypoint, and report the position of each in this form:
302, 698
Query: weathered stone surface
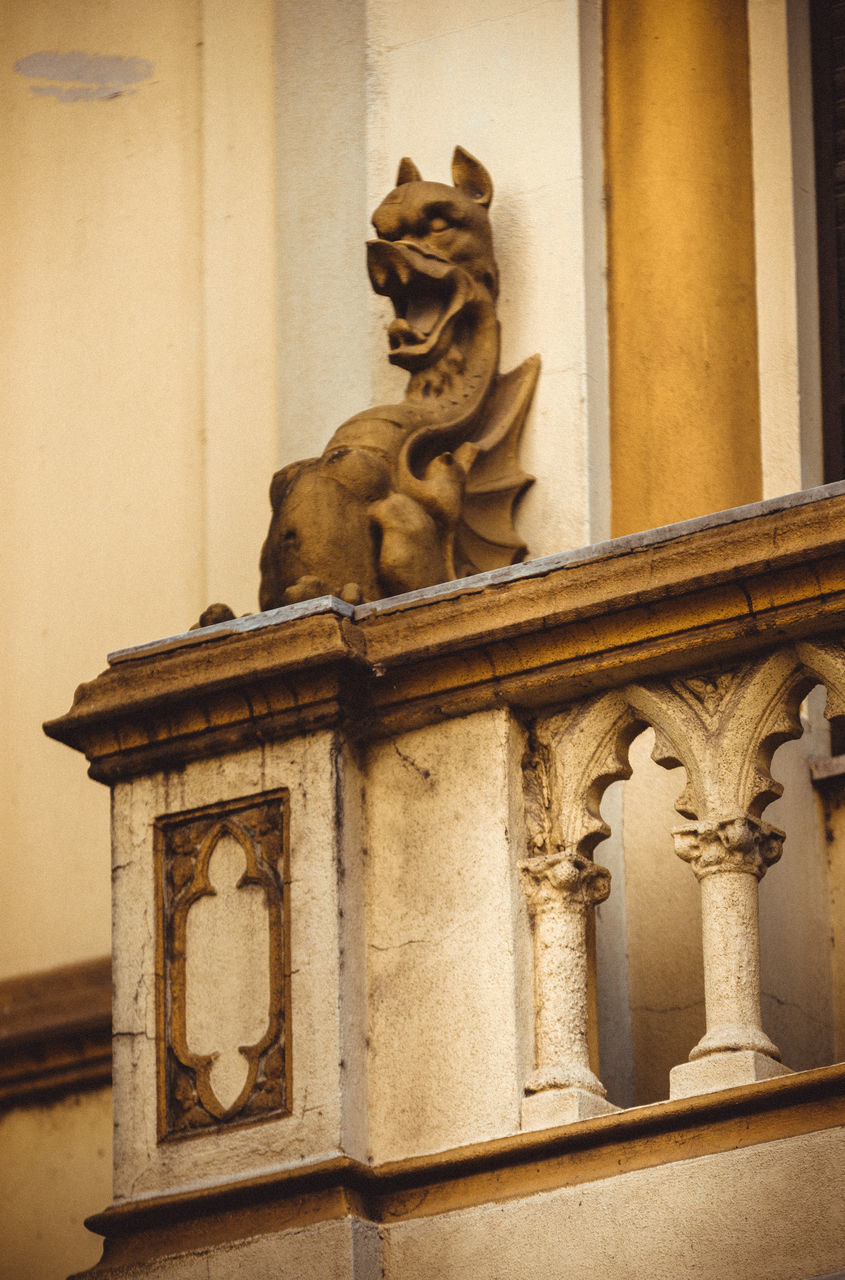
472, 1207
326, 1107
411, 494
428, 1024
724, 1070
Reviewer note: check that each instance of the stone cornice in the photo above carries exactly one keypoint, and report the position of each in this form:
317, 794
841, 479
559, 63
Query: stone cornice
55, 1033
545, 632
214, 690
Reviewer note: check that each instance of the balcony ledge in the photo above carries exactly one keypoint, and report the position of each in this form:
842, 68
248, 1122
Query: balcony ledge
488, 1172
686, 596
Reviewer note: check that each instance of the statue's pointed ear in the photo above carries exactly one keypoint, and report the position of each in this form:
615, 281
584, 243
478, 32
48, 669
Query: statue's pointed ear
408, 172
470, 176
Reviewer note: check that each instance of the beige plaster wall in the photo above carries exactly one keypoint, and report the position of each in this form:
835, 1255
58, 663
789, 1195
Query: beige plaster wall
799, 932
785, 244
648, 936
715, 362
55, 1171
137, 396
323, 354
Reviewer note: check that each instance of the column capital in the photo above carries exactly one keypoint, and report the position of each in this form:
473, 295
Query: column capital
736, 844
555, 878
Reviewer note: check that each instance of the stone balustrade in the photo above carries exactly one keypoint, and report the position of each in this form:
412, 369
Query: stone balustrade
405, 797
723, 727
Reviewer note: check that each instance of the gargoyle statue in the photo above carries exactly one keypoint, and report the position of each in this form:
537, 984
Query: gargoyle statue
411, 494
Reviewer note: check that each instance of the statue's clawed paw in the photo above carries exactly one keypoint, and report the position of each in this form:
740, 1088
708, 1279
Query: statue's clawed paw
306, 588
212, 615
310, 587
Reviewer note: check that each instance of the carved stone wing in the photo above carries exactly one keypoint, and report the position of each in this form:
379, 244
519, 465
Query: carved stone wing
485, 537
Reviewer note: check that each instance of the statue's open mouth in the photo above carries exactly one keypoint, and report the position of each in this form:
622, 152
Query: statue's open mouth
427, 293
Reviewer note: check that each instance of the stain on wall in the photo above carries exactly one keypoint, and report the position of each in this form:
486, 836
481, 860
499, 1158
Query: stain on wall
83, 77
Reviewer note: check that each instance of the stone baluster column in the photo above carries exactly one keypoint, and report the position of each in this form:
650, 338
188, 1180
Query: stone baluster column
729, 859
561, 888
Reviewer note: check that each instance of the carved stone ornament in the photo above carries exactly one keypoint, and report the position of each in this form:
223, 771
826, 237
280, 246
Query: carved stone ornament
738, 844
552, 878
411, 494
234, 853
561, 884
723, 726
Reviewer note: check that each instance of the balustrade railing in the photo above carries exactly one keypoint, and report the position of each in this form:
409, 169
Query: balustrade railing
723, 728
711, 633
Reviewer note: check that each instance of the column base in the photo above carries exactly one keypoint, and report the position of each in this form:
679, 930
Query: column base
552, 1107
723, 1071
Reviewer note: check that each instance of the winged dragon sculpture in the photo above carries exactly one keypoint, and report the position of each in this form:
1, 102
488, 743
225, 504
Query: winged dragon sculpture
411, 494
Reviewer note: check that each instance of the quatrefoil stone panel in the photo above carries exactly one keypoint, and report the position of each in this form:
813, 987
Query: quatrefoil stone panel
223, 1007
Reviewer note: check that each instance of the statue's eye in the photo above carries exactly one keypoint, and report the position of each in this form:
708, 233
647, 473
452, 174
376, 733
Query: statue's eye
438, 224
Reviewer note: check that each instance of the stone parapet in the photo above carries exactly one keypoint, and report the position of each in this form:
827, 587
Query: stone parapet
354, 881
689, 595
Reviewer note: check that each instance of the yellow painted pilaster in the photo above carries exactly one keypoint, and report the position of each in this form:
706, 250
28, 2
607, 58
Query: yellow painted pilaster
684, 398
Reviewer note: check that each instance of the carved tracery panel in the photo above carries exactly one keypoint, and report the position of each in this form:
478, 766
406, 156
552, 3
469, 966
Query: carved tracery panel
223, 1007
723, 726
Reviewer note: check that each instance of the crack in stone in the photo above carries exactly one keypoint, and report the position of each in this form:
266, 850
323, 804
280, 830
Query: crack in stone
670, 1008
397, 946
424, 773
793, 1004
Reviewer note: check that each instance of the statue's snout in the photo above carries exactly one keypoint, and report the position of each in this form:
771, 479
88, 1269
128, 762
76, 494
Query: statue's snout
388, 266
